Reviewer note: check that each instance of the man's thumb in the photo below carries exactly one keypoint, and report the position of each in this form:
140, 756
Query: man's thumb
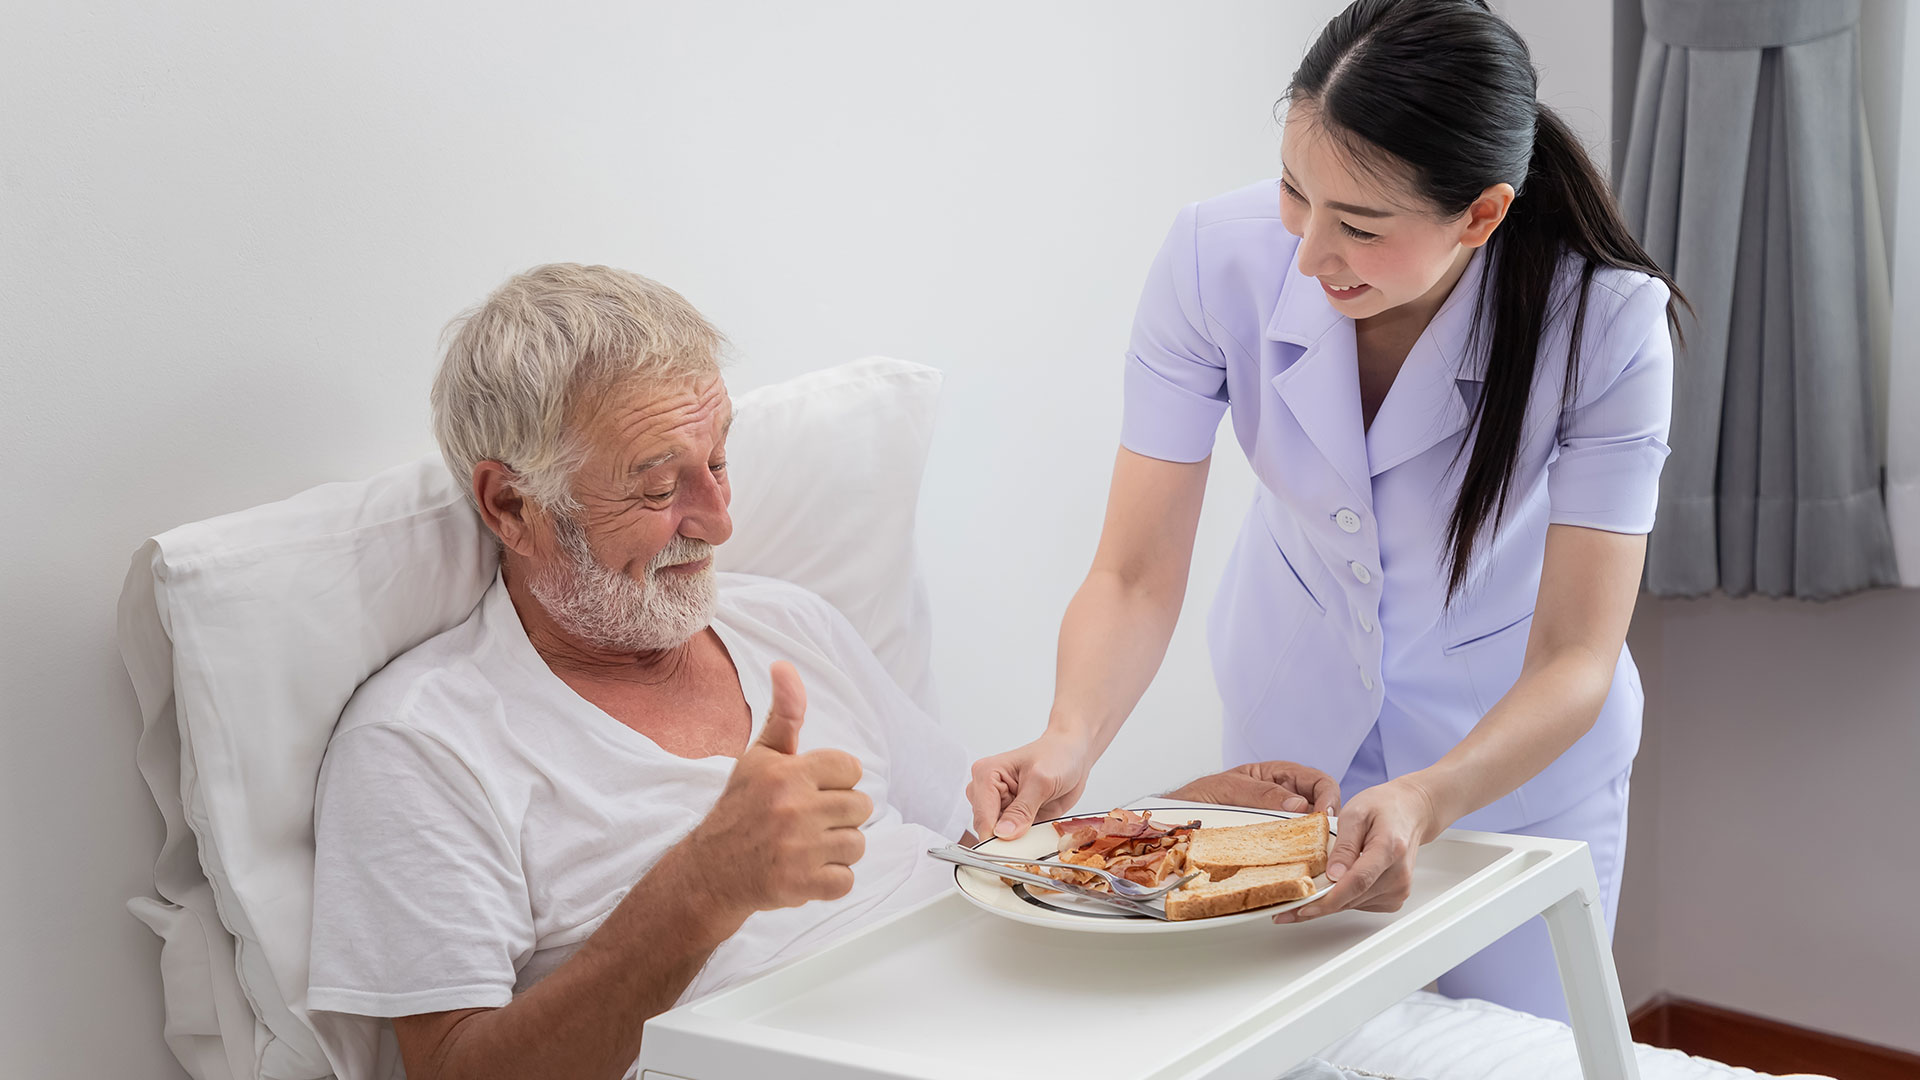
782, 729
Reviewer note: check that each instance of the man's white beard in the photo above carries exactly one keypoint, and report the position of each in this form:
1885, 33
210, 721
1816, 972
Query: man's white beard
609, 610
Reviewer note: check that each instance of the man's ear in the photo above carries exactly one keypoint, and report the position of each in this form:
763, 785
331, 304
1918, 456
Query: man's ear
504, 509
1486, 213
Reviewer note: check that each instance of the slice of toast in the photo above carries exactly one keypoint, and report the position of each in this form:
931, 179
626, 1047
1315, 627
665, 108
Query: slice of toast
1256, 886
1224, 852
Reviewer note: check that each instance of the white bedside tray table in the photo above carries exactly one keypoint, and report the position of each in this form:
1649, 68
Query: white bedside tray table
947, 990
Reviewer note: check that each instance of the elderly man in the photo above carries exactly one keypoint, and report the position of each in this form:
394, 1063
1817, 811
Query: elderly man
556, 819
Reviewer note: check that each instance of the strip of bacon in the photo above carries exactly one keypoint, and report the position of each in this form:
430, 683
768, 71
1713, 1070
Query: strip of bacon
1130, 845
1078, 838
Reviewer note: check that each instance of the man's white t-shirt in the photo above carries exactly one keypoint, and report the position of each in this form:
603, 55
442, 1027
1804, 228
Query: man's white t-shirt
477, 820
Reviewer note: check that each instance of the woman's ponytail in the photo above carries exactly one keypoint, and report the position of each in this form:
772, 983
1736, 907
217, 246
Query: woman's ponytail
1562, 208
1375, 76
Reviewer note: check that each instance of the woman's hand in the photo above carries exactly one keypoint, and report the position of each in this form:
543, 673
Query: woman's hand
1042, 779
1371, 864
1267, 785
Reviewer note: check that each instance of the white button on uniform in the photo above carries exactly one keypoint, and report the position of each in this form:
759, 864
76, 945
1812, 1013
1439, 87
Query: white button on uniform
1347, 520
1366, 624
1366, 679
1361, 573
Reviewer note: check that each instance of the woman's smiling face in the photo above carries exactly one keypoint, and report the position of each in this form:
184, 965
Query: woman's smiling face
1370, 239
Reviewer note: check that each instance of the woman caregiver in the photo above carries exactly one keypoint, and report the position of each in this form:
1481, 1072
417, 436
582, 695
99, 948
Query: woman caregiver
1450, 367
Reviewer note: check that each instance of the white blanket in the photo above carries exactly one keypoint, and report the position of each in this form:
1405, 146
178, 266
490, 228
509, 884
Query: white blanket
1430, 1037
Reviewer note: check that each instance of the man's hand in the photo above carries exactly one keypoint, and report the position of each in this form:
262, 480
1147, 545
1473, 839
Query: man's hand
1267, 785
786, 829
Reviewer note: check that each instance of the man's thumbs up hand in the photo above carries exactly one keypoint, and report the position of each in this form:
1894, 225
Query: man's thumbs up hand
787, 828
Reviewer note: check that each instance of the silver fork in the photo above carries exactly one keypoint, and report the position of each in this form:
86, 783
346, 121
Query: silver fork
1121, 886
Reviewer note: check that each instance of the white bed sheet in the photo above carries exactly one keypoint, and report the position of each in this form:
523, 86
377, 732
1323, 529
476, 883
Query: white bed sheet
1432, 1037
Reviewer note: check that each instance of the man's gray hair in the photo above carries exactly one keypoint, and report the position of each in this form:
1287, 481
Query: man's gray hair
520, 369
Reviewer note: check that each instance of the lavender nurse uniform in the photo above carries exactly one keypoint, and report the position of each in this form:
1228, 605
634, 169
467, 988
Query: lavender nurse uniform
1331, 637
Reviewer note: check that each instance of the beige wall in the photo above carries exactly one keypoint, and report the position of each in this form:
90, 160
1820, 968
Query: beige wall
1636, 935
1774, 850
1775, 853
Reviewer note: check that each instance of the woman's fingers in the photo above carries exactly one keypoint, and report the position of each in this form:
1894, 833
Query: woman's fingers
1371, 862
1358, 883
1008, 795
1349, 847
1010, 791
1019, 814
1356, 888
1376, 869
988, 793
1348, 843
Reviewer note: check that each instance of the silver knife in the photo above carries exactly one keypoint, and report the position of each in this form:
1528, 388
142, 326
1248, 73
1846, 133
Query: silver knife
960, 856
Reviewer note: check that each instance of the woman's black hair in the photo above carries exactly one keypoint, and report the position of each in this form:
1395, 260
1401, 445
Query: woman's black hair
1442, 92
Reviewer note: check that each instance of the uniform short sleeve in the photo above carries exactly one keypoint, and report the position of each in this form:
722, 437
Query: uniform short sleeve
1613, 440
420, 904
1176, 381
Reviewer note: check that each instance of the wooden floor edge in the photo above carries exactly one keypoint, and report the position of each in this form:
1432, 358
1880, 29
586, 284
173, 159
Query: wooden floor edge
1763, 1043
1649, 1022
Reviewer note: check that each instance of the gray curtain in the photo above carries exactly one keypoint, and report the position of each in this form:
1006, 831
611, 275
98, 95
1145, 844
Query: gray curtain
1745, 178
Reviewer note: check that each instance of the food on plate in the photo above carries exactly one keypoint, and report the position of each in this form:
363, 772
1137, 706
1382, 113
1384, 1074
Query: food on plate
1124, 844
1224, 852
1239, 867
1256, 886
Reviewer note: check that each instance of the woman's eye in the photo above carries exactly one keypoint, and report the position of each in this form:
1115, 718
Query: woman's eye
1288, 188
1356, 233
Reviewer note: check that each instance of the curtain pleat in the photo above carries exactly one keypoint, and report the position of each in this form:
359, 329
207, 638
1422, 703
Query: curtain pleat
1745, 178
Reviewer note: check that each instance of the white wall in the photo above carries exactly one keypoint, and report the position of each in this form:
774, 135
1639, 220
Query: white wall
232, 232
1572, 48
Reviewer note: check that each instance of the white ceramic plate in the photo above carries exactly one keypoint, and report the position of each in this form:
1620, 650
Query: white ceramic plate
1065, 912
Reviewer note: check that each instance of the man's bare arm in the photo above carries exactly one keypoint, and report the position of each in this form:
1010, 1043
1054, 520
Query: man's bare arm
584, 1020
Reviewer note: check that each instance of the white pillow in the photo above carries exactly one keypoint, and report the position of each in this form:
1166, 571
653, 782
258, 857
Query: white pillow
826, 483
245, 635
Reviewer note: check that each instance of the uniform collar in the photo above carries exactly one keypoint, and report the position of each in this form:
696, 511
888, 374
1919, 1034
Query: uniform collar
1430, 398
1303, 315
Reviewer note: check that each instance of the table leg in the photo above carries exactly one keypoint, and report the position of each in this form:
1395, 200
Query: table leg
1592, 986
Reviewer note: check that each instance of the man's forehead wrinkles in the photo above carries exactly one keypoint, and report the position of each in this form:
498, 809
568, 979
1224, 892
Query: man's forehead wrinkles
669, 453
672, 412
645, 431
661, 421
